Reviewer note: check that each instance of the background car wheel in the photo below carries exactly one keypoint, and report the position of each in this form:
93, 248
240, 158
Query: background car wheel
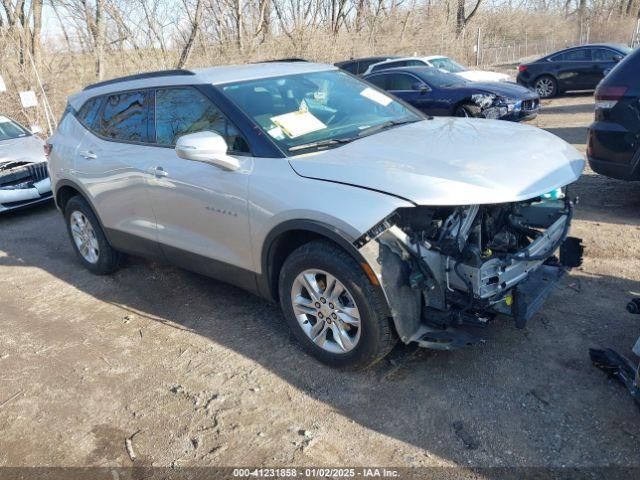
88, 239
332, 307
468, 110
546, 86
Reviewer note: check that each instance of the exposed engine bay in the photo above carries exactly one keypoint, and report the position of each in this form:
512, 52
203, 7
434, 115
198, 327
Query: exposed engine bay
444, 267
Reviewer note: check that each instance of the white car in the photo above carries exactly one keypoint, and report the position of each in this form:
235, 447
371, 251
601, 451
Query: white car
443, 63
24, 178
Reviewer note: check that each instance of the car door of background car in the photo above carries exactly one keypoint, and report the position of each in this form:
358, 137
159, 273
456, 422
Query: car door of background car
413, 90
604, 59
112, 163
573, 69
201, 209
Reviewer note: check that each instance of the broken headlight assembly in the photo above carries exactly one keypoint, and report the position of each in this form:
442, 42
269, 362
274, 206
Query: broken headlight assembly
443, 267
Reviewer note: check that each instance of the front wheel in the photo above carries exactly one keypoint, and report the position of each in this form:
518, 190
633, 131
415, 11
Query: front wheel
332, 307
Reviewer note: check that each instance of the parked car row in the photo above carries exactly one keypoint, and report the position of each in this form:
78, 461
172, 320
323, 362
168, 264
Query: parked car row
438, 86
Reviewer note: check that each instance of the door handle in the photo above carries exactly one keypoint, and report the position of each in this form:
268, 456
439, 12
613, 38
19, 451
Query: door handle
88, 154
158, 171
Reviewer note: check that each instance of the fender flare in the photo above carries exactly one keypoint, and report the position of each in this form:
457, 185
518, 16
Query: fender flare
342, 239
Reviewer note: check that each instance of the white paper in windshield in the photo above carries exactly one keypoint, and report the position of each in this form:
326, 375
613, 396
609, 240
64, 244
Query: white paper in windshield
298, 123
376, 96
4, 119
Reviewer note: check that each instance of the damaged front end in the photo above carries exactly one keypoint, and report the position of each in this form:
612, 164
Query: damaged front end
445, 267
23, 183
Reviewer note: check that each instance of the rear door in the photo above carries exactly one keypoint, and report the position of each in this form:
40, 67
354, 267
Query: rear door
574, 69
201, 210
112, 162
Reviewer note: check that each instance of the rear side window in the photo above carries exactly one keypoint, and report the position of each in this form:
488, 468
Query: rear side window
400, 81
184, 110
379, 81
124, 117
89, 111
386, 65
580, 55
604, 55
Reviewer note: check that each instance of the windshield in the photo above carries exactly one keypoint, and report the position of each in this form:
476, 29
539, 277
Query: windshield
447, 64
625, 49
10, 129
437, 78
317, 110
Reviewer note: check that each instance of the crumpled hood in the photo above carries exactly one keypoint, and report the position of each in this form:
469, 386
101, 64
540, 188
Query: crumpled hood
451, 161
483, 76
26, 149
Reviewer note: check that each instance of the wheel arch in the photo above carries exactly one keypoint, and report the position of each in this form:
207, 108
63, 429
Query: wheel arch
65, 190
286, 237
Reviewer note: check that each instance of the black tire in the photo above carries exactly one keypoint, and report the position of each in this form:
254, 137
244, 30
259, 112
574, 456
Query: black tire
468, 110
377, 336
108, 258
550, 89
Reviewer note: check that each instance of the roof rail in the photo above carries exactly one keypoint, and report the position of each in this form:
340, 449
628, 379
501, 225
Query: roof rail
140, 76
293, 59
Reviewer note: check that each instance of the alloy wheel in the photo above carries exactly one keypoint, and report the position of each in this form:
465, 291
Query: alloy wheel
545, 87
326, 311
84, 236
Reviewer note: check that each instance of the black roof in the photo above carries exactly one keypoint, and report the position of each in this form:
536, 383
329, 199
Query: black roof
378, 58
140, 76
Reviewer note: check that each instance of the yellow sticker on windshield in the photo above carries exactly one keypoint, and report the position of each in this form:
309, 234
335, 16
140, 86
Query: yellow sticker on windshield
298, 123
376, 96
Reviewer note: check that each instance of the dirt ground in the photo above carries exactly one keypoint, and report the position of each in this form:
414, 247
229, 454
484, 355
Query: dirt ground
197, 372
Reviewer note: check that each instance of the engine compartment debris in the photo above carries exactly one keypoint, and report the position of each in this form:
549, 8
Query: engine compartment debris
446, 267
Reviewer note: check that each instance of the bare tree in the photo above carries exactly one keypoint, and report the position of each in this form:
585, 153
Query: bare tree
195, 25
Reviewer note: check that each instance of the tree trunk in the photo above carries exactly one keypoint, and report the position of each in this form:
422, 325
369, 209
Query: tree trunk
186, 51
35, 34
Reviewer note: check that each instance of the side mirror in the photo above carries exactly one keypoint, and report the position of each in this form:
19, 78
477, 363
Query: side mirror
207, 147
420, 87
35, 129
617, 58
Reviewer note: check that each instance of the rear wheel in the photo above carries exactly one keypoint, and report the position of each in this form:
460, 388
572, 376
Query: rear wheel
546, 86
332, 307
88, 239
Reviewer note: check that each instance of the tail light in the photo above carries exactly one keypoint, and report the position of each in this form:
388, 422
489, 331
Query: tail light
607, 97
522, 68
47, 149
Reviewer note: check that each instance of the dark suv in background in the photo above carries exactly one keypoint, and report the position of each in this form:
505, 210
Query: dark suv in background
612, 142
577, 68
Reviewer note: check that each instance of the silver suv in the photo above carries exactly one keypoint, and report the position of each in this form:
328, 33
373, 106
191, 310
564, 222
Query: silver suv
366, 220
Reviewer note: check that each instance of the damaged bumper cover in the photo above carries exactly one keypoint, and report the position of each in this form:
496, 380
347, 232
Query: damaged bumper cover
431, 291
23, 184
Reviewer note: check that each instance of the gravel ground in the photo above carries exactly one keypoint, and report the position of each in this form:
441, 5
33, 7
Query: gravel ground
196, 372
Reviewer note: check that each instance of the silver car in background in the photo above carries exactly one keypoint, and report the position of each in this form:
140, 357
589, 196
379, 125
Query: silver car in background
367, 221
24, 178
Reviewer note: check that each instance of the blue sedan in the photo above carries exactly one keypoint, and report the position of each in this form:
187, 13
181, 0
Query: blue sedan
438, 93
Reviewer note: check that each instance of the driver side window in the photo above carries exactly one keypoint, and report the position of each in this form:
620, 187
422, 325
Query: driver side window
183, 110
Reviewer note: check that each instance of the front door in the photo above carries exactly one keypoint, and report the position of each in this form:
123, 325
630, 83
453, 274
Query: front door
201, 210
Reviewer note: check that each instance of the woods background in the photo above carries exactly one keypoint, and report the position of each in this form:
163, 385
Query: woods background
70, 43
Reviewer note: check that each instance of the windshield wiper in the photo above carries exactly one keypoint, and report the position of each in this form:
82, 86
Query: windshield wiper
384, 125
321, 143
